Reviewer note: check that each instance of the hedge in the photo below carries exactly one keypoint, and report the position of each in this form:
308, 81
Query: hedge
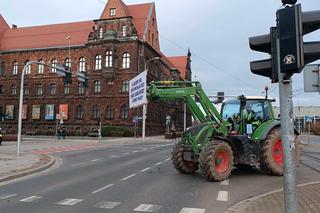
116, 131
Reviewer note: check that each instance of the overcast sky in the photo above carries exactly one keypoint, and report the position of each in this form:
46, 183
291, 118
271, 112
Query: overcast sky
216, 31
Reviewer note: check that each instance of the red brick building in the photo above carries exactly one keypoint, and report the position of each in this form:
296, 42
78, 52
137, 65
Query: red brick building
110, 50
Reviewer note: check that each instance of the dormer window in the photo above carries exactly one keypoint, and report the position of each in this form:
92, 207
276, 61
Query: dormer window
112, 11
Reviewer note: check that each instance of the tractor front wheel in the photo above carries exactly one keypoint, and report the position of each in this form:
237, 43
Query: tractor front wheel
216, 160
183, 166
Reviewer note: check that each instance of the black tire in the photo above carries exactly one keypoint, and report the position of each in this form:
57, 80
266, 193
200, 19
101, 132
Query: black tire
270, 162
183, 166
210, 154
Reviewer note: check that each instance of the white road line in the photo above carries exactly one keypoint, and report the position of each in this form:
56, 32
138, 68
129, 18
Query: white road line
130, 176
30, 199
127, 153
106, 205
69, 202
143, 170
136, 151
102, 188
167, 159
224, 183
114, 156
223, 196
78, 164
96, 160
192, 210
157, 164
147, 208
7, 196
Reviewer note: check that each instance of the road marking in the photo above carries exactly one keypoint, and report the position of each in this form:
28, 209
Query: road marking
192, 210
130, 176
102, 188
223, 196
30, 199
136, 151
157, 164
78, 164
106, 205
96, 160
144, 150
127, 153
224, 183
114, 156
147, 208
7, 196
69, 202
143, 170
167, 159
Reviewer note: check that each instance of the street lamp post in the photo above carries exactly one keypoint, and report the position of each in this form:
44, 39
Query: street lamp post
144, 109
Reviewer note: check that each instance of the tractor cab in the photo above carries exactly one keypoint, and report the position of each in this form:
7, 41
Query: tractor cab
246, 114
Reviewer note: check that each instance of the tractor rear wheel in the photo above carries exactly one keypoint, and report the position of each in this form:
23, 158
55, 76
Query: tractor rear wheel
271, 153
183, 166
216, 160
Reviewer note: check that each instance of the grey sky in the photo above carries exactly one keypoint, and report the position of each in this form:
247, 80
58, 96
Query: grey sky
217, 32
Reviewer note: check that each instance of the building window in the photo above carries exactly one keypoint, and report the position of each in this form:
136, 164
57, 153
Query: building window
53, 65
39, 89
67, 62
124, 112
100, 32
109, 112
124, 30
28, 68
13, 89
2, 68
125, 86
26, 89
96, 112
126, 61
1, 90
109, 58
97, 64
97, 87
41, 67
79, 112
112, 11
66, 89
80, 88
15, 68
82, 64
52, 89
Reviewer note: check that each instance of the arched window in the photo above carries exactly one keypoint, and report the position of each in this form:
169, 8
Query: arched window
28, 68
96, 112
125, 86
67, 62
110, 113
52, 89
39, 89
126, 61
97, 63
53, 65
124, 112
100, 32
97, 87
82, 64
41, 67
13, 89
79, 112
2, 67
15, 68
109, 58
80, 88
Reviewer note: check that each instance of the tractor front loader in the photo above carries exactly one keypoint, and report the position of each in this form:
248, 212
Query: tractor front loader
244, 134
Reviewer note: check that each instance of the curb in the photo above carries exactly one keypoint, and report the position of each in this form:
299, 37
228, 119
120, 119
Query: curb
242, 205
31, 171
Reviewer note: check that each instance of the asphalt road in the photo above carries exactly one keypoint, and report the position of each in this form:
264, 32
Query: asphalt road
132, 178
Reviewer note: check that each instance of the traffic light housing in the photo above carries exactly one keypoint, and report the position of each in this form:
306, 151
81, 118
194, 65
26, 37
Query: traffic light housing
83, 79
65, 72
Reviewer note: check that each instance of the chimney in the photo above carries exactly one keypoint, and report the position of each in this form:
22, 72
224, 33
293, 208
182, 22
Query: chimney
14, 26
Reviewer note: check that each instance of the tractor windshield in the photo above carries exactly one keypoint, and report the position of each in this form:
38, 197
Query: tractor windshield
231, 109
261, 109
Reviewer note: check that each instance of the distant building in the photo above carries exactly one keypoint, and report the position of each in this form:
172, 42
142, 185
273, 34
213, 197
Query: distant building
110, 50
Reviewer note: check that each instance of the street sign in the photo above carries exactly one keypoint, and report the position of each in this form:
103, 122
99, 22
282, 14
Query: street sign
311, 78
308, 119
138, 90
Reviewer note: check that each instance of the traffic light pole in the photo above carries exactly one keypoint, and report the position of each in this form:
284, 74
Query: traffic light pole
287, 138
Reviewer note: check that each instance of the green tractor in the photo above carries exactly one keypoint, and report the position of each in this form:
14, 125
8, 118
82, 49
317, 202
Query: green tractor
245, 134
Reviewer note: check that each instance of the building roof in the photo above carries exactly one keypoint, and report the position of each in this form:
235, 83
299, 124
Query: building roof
140, 13
180, 63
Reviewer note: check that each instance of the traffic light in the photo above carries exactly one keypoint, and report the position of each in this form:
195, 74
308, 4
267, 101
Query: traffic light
83, 78
67, 79
267, 44
64, 71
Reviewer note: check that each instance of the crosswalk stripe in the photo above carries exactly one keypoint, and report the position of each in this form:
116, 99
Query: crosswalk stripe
107, 205
30, 199
69, 202
192, 210
3, 197
223, 196
224, 183
147, 208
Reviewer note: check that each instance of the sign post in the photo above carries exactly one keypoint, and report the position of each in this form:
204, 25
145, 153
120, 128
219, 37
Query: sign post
138, 97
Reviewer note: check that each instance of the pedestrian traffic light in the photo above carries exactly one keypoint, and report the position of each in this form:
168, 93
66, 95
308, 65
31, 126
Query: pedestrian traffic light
267, 44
